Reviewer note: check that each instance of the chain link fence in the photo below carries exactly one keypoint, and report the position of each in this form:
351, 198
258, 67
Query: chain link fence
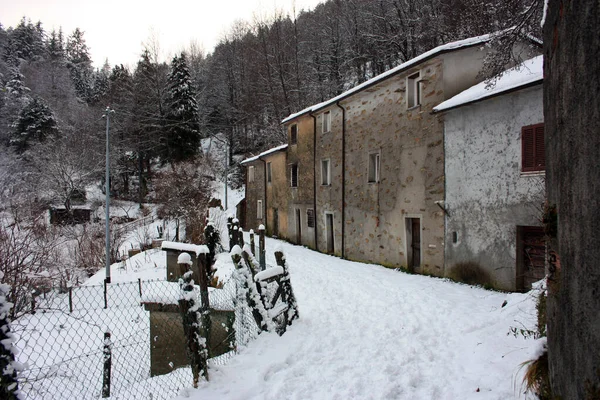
123, 340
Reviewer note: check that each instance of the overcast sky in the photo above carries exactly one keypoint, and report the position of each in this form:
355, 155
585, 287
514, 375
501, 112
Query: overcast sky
117, 29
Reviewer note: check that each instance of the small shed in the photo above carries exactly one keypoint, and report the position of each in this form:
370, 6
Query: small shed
174, 249
167, 338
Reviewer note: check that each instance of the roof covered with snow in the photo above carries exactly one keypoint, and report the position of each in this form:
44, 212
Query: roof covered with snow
264, 153
410, 63
525, 74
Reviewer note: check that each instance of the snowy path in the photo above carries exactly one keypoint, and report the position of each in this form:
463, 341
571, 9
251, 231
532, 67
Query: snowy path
366, 332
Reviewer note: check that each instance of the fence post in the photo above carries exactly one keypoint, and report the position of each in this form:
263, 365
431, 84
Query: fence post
71, 297
140, 286
261, 247
107, 352
196, 347
230, 232
105, 296
287, 294
252, 245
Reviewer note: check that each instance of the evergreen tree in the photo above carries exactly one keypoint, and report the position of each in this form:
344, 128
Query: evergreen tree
80, 64
36, 121
55, 47
183, 136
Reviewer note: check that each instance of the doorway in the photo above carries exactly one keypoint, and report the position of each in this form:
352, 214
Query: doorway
298, 227
275, 222
531, 256
413, 243
329, 231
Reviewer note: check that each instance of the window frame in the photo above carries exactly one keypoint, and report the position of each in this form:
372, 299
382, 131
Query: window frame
310, 216
413, 90
533, 161
251, 173
377, 167
326, 122
326, 177
269, 172
259, 209
293, 166
294, 134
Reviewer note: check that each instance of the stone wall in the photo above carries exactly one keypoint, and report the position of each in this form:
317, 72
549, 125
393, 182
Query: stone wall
487, 195
277, 195
572, 115
302, 197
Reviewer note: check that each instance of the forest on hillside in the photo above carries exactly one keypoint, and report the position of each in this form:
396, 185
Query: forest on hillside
52, 99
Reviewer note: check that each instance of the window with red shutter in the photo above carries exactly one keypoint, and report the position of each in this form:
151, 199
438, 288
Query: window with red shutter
533, 156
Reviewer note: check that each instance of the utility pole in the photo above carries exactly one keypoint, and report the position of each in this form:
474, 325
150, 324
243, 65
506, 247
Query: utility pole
106, 115
226, 171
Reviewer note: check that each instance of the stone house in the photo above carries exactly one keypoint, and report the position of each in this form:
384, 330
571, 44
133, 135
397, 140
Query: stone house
495, 180
366, 168
267, 192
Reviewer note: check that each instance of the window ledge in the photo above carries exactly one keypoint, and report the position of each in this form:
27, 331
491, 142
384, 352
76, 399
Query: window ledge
533, 173
413, 107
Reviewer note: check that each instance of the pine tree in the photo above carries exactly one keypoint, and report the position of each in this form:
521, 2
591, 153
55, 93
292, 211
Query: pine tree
80, 64
183, 136
36, 121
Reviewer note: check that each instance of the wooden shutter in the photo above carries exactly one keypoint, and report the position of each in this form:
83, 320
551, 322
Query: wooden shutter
294, 175
532, 148
294, 134
310, 218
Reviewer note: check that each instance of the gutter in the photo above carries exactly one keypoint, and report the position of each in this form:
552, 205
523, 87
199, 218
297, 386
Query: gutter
315, 214
343, 178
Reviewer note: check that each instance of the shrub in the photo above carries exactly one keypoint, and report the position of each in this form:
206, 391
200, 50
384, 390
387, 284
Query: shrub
470, 273
537, 379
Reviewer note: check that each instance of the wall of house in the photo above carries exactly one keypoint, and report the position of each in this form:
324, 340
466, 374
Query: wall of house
487, 196
277, 195
302, 197
329, 197
409, 141
255, 191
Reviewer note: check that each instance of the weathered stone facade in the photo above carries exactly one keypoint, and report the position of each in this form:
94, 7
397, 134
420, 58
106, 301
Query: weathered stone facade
488, 198
255, 192
382, 149
277, 195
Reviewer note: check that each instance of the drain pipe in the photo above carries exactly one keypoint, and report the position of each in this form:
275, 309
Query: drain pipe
343, 179
315, 214
265, 212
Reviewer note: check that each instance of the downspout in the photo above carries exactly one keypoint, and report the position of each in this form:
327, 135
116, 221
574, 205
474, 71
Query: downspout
315, 180
265, 212
343, 179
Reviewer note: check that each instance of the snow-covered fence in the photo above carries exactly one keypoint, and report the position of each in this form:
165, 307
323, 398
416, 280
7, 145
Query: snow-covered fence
63, 345
268, 293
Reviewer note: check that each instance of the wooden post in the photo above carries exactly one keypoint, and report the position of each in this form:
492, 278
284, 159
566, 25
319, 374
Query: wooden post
252, 244
107, 352
71, 297
261, 247
197, 349
287, 294
248, 288
230, 232
140, 286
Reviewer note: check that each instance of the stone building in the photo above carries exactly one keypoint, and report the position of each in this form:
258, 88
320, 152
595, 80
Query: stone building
495, 178
366, 168
267, 192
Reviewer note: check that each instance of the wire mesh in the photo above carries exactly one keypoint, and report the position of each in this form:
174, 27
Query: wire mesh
61, 342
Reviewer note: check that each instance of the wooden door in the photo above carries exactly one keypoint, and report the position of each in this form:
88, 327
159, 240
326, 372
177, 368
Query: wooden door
532, 256
413, 243
329, 229
298, 227
275, 222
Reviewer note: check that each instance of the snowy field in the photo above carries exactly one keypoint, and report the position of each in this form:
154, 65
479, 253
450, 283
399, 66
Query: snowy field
367, 332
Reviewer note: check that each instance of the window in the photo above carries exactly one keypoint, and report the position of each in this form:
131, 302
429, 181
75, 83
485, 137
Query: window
251, 174
532, 148
374, 167
259, 209
294, 134
310, 218
413, 90
325, 173
269, 175
294, 175
326, 121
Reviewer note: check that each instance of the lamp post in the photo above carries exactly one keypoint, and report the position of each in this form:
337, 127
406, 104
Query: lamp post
106, 115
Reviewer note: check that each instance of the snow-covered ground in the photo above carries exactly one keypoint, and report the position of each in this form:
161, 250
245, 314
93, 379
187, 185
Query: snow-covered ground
367, 332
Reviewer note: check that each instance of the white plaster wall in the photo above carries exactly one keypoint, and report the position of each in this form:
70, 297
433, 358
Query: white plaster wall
487, 196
